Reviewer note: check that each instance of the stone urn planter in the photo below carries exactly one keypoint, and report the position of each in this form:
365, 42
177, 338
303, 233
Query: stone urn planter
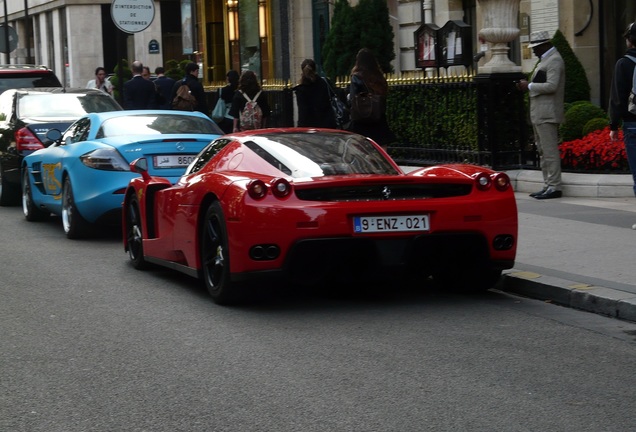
500, 19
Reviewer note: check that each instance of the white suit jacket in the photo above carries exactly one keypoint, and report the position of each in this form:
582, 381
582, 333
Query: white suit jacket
548, 89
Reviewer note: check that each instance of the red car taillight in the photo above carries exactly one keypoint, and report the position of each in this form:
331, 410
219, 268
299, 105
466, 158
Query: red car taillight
25, 140
501, 181
257, 189
281, 188
483, 181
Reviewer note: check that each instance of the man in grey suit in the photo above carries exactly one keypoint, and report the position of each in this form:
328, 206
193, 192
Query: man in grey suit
546, 91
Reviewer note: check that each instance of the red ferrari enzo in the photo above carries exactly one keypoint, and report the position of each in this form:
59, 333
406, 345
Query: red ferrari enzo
315, 205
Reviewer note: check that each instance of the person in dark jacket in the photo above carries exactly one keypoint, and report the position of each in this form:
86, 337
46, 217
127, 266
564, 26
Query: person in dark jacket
139, 93
312, 99
367, 77
227, 94
622, 82
164, 86
249, 85
191, 78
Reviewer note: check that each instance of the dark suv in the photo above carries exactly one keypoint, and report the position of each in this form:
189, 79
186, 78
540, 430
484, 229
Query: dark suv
26, 76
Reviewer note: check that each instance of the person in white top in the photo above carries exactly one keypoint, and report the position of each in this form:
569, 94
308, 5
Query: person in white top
100, 82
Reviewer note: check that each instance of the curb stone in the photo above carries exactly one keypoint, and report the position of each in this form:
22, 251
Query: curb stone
596, 299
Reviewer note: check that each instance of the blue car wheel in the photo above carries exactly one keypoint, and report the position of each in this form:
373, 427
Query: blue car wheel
74, 224
30, 210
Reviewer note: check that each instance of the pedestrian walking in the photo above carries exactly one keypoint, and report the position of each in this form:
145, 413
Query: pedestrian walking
546, 91
250, 108
227, 94
139, 93
368, 85
621, 89
164, 86
191, 79
313, 98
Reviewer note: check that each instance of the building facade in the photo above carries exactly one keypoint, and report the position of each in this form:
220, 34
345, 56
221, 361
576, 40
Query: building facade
272, 37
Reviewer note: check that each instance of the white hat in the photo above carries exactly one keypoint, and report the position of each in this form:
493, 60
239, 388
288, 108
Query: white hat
538, 38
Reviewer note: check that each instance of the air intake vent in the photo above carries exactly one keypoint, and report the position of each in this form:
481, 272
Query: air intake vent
384, 192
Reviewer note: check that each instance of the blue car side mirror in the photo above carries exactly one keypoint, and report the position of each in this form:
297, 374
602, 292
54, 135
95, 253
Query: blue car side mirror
53, 135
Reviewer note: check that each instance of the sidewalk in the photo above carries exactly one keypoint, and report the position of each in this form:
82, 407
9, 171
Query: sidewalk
577, 251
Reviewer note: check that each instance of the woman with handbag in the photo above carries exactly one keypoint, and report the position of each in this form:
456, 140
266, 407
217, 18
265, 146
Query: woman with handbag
367, 96
312, 99
226, 94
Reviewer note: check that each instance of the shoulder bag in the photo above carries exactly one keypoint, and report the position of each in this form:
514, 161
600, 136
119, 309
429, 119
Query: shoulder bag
338, 107
220, 109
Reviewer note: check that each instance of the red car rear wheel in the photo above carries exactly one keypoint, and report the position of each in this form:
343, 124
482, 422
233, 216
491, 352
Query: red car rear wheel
134, 234
215, 258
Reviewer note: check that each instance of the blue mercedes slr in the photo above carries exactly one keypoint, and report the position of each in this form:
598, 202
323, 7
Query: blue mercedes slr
83, 175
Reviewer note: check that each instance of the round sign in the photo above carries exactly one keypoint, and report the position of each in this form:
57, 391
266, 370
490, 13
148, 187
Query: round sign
132, 16
13, 39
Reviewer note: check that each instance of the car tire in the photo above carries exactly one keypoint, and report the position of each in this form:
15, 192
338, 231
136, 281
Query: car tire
215, 257
74, 224
31, 211
134, 234
8, 195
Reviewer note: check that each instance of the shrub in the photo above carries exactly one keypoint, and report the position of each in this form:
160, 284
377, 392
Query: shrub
577, 86
366, 25
126, 74
594, 125
577, 117
174, 70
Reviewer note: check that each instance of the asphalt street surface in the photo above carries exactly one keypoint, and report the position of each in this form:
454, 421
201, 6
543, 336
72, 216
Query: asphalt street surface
87, 343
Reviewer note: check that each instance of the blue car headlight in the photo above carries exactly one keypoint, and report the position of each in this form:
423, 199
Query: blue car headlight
105, 159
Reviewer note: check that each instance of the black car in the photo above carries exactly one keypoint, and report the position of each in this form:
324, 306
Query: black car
26, 115
26, 76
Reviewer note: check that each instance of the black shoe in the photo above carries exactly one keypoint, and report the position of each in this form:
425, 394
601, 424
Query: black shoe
534, 194
549, 194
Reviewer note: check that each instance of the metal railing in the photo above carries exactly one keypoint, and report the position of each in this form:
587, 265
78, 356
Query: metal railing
455, 118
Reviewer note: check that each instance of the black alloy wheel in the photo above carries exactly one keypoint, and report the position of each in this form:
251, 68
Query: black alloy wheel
215, 257
134, 234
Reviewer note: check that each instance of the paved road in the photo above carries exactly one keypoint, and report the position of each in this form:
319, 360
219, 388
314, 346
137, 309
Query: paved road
89, 344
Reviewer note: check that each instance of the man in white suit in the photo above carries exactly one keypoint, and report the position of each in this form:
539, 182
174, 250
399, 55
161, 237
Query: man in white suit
546, 90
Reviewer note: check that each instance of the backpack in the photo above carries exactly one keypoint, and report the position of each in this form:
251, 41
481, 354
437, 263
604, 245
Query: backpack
631, 107
251, 116
184, 101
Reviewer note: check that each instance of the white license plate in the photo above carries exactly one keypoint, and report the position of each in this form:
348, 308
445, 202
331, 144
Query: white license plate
173, 161
377, 224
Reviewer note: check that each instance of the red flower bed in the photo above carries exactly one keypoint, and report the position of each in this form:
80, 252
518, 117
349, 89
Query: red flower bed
595, 152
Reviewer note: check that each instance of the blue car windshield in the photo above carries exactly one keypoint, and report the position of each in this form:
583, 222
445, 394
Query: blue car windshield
156, 124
